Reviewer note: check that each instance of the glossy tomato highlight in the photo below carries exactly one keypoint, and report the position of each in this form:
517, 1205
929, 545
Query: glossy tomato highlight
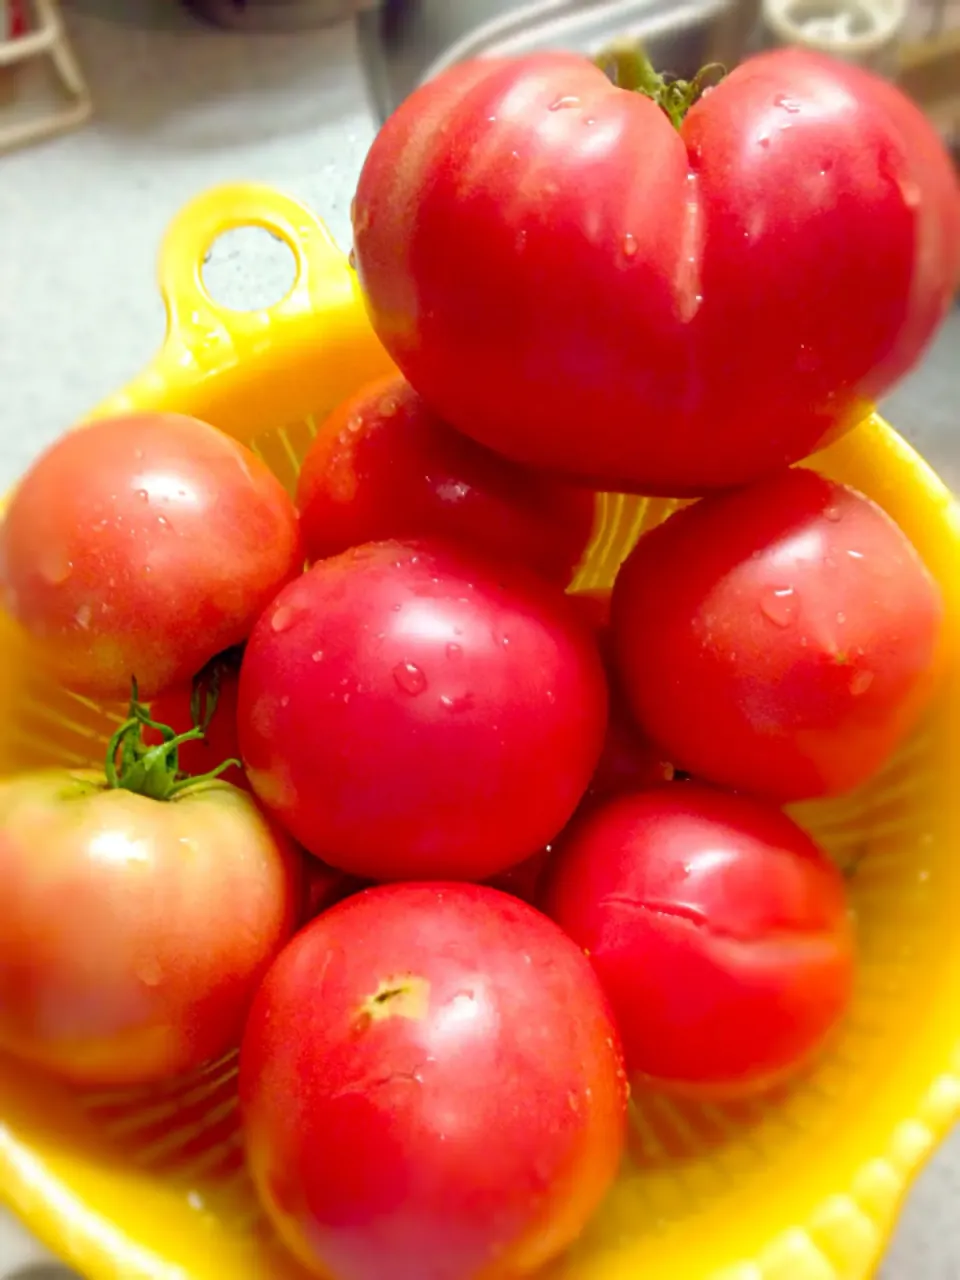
384, 466
718, 929
417, 711
780, 639
431, 1088
142, 545
572, 280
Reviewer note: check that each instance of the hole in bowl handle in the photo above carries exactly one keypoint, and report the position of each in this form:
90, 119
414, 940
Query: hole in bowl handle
197, 323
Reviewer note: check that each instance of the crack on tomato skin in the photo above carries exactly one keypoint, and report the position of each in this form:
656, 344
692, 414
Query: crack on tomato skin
698, 919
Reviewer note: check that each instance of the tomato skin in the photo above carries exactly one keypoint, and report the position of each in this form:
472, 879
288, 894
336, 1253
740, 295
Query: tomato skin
369, 1132
219, 743
718, 929
779, 639
143, 545
414, 711
572, 281
131, 950
384, 466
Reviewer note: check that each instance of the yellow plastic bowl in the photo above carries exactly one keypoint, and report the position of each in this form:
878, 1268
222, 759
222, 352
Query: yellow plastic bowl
803, 1186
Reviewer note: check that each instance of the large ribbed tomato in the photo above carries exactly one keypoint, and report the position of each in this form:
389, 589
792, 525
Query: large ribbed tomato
564, 275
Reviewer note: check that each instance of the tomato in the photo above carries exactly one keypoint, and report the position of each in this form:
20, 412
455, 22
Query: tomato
718, 929
573, 281
411, 711
779, 639
130, 951
431, 1088
175, 707
143, 545
384, 466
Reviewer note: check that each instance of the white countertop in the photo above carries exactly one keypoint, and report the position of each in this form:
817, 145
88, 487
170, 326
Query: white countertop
180, 108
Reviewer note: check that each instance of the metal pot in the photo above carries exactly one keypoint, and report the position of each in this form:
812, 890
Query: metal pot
276, 15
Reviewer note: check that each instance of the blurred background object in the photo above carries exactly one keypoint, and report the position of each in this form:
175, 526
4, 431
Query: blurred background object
276, 15
867, 32
930, 64
33, 38
404, 42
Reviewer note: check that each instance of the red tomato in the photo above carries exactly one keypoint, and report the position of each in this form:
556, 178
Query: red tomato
416, 711
384, 466
779, 639
573, 281
431, 1088
131, 950
718, 930
219, 742
143, 545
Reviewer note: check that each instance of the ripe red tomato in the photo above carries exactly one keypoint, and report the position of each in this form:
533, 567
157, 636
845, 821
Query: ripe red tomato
431, 1087
718, 929
384, 466
779, 639
141, 546
573, 281
130, 951
416, 711
175, 708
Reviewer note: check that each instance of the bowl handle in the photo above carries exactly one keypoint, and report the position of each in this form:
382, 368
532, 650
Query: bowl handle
249, 370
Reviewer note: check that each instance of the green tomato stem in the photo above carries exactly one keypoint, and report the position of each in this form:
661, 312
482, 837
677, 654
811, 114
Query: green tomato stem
154, 771
628, 66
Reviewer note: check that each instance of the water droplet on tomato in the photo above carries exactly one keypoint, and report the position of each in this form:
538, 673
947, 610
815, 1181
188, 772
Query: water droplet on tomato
860, 682
505, 641
568, 100
83, 616
282, 619
285, 700
409, 678
833, 514
55, 568
317, 655
630, 246
841, 618
779, 605
149, 972
911, 194
143, 495
764, 140
550, 696
855, 555
454, 651
787, 103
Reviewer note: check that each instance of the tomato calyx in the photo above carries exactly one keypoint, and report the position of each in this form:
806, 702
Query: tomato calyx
154, 771
627, 65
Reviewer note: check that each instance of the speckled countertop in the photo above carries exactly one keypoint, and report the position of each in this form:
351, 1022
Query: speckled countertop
179, 108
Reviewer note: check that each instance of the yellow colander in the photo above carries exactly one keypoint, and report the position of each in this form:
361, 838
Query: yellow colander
802, 1186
